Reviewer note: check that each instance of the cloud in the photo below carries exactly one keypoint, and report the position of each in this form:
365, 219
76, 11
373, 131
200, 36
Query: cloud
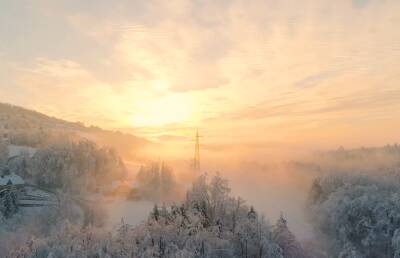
182, 58
164, 41
66, 89
332, 106
231, 65
313, 80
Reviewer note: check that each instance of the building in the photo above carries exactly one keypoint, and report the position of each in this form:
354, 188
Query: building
11, 179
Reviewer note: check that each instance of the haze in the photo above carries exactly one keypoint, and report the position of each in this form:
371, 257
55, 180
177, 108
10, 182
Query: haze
296, 104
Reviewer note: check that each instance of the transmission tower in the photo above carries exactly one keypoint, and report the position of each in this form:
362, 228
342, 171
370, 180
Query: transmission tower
196, 160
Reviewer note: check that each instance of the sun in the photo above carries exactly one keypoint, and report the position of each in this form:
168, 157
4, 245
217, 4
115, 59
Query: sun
164, 110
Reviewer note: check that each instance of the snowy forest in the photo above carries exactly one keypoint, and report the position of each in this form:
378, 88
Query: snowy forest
56, 185
58, 205
209, 223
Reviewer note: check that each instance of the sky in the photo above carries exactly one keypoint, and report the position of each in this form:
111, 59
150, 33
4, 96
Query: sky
262, 73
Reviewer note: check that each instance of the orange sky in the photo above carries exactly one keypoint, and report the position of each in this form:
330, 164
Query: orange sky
260, 74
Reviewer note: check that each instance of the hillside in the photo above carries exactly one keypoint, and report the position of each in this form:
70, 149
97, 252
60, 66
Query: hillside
27, 127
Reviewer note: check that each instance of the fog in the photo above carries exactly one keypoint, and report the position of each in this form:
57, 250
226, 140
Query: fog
275, 183
105, 186
131, 212
275, 180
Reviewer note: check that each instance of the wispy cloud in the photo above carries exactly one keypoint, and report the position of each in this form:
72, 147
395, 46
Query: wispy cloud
313, 80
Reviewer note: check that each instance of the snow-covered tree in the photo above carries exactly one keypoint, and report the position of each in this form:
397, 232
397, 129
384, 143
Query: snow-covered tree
357, 216
3, 154
74, 166
286, 240
8, 202
156, 182
201, 227
19, 165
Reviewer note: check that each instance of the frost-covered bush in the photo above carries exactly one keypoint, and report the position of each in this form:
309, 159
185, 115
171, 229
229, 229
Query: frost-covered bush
358, 216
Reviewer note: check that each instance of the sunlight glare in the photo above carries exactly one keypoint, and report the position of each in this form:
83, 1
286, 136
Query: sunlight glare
168, 109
